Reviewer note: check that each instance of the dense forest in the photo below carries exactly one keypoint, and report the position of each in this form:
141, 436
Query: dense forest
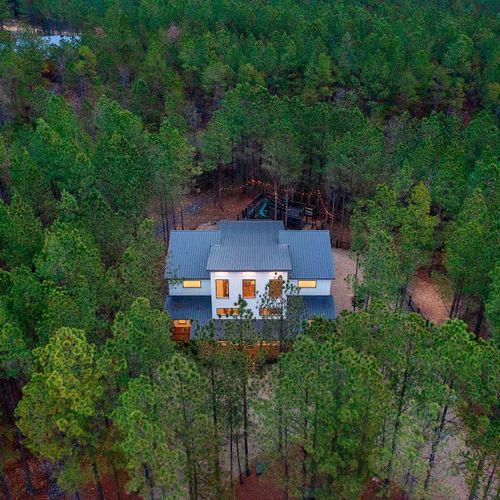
384, 113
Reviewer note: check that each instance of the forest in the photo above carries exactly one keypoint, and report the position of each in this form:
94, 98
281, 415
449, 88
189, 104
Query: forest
385, 114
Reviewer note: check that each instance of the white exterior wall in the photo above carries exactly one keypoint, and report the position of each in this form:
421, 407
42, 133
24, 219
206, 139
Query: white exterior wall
322, 288
178, 289
236, 288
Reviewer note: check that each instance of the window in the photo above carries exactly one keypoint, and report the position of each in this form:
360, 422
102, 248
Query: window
249, 289
222, 289
275, 287
307, 283
265, 311
227, 311
191, 284
182, 321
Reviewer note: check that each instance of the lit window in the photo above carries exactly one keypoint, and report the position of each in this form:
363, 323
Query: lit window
182, 322
222, 289
227, 311
191, 284
275, 288
265, 311
249, 289
307, 283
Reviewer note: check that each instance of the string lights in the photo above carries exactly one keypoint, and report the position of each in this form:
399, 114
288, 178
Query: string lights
257, 182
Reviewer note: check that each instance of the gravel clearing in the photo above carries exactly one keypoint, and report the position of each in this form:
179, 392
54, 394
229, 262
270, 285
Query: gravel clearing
344, 266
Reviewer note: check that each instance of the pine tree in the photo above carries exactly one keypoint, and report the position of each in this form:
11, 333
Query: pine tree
468, 251
59, 410
20, 233
139, 271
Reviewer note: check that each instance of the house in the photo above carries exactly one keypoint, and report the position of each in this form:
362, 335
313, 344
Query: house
207, 271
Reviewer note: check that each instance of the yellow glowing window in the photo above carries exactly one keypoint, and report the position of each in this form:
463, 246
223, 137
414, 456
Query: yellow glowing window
182, 322
227, 311
265, 311
191, 284
307, 283
249, 289
222, 289
275, 288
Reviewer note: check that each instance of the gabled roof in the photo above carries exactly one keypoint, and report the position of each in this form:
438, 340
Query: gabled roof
310, 253
257, 257
249, 246
188, 254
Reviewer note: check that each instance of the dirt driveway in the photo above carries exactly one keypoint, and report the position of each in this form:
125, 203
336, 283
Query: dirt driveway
344, 266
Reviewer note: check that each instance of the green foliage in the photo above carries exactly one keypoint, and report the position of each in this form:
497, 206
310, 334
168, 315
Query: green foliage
493, 304
70, 260
155, 100
469, 250
392, 240
165, 423
151, 463
329, 402
139, 271
59, 407
20, 233
141, 338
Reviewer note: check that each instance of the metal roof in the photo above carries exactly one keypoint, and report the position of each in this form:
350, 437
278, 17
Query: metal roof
257, 257
195, 308
188, 254
319, 305
249, 246
246, 232
198, 309
311, 254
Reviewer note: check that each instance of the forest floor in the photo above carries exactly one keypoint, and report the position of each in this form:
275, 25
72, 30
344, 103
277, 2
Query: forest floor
427, 295
342, 292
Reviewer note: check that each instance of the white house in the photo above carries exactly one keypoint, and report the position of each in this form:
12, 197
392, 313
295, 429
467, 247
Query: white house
208, 271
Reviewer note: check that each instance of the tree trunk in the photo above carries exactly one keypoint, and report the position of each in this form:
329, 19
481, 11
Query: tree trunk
476, 479
438, 434
100, 491
402, 394
354, 299
457, 297
479, 320
240, 475
275, 200
164, 227
5, 487
332, 218
304, 451
285, 463
219, 184
167, 223
174, 220
231, 471
24, 460
117, 481
342, 217
245, 429
149, 482
22, 448
286, 208
216, 431
491, 477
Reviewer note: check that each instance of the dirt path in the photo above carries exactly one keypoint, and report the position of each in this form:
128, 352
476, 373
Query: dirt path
425, 294
258, 488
